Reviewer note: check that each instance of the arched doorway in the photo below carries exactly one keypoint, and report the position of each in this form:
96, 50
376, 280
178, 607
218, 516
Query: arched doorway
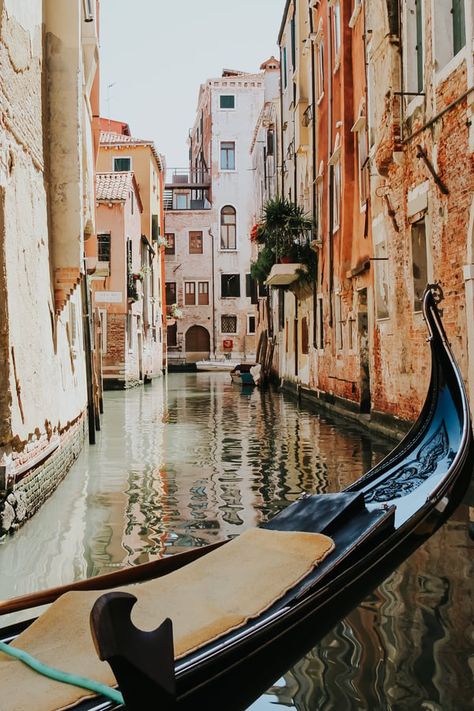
197, 343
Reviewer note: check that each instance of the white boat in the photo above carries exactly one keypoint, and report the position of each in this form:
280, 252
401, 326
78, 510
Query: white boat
217, 365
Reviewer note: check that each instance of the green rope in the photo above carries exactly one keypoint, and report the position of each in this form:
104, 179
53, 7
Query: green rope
64, 677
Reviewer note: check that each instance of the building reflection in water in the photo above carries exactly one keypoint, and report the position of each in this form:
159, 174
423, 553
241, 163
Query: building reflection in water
192, 459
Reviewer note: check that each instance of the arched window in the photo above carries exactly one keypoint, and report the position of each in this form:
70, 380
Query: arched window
228, 228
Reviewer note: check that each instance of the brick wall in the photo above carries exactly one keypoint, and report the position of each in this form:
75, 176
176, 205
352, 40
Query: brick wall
25, 498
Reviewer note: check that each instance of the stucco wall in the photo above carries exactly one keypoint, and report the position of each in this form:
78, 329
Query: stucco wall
45, 359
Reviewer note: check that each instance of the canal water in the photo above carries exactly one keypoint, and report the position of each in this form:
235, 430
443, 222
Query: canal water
191, 459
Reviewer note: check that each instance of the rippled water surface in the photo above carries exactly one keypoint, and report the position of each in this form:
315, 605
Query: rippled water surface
192, 459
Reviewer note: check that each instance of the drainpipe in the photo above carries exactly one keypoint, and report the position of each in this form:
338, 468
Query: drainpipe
282, 168
315, 216
213, 296
331, 169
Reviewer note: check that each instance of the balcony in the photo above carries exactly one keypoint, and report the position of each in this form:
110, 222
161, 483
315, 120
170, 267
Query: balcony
285, 274
184, 177
187, 189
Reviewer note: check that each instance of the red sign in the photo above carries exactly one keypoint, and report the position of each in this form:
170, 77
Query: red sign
228, 343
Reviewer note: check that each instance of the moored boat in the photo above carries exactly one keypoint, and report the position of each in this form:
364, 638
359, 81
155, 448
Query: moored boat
246, 374
360, 535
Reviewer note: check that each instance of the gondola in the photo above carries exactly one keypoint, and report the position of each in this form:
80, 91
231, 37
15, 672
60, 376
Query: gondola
372, 526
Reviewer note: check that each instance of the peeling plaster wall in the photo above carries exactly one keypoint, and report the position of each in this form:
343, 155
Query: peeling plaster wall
45, 365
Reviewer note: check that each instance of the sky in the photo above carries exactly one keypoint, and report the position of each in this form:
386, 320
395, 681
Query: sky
154, 55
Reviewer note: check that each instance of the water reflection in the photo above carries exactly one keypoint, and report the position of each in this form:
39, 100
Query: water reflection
192, 459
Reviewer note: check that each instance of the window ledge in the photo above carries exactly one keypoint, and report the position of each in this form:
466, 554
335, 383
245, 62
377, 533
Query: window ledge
444, 72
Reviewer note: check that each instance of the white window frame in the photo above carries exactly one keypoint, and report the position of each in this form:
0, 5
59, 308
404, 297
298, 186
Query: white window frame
249, 332
227, 249
114, 158
228, 170
223, 108
335, 161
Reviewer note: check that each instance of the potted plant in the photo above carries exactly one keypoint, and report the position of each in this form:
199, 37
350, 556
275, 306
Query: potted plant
283, 230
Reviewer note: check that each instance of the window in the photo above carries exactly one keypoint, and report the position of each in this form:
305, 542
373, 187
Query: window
203, 293
459, 25
359, 128
270, 142
72, 323
170, 291
228, 155
320, 73
251, 289
319, 199
336, 202
320, 324
250, 324
172, 335
228, 228
339, 323
449, 30
304, 336
419, 45
195, 242
122, 165
230, 285
228, 324
171, 244
227, 101
132, 202
281, 309
103, 247
419, 259
182, 201
155, 228
284, 68
189, 293
337, 30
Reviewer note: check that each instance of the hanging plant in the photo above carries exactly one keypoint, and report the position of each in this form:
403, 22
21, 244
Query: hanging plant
285, 231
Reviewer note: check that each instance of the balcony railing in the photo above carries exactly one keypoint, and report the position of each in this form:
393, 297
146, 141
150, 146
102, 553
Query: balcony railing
182, 177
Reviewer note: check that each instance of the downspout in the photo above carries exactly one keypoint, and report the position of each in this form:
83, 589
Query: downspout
282, 167
331, 172
314, 175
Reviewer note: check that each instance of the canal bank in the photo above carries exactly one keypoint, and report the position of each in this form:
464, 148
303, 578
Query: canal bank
379, 423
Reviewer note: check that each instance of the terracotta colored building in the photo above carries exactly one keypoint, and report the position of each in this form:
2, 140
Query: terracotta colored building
135, 219
376, 144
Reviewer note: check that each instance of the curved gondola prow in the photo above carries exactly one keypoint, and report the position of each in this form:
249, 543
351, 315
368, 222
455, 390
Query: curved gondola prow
444, 374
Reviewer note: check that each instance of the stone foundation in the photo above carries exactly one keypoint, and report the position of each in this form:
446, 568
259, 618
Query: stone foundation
27, 495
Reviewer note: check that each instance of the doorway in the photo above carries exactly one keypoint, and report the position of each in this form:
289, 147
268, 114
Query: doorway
363, 333
197, 344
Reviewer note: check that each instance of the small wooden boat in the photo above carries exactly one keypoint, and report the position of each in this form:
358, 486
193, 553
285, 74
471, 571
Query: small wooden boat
243, 374
373, 526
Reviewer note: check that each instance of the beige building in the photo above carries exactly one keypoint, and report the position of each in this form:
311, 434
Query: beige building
210, 210
142, 225
48, 95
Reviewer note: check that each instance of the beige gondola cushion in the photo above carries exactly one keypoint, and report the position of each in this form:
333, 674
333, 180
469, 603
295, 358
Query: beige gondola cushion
205, 599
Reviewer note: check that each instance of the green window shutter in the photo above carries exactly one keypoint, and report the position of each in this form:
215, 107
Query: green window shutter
419, 46
459, 25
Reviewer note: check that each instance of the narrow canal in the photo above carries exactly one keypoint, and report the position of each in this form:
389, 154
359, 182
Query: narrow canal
191, 459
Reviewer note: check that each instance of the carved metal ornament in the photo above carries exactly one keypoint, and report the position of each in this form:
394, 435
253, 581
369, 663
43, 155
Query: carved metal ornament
413, 473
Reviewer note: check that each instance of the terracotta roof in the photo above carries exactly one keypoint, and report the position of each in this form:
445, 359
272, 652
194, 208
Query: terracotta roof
109, 138
113, 186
